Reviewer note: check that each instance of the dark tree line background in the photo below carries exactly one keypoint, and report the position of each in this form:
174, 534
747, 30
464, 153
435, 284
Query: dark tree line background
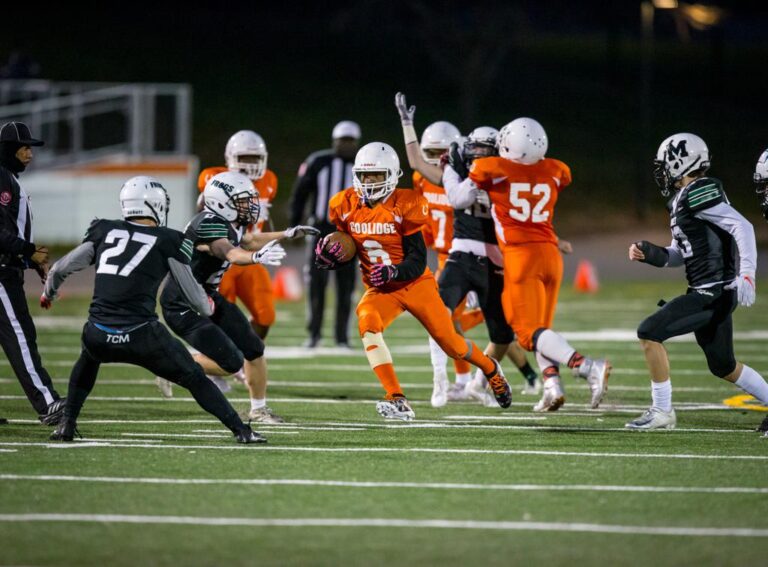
606, 91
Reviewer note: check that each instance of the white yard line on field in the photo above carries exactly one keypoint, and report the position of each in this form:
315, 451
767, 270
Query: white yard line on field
605, 408
390, 484
414, 450
555, 527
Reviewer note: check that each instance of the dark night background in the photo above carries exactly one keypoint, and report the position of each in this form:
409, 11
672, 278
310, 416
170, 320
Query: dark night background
290, 71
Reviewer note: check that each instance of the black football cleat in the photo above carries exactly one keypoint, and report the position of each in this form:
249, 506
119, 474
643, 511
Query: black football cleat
54, 412
246, 436
763, 427
500, 387
65, 431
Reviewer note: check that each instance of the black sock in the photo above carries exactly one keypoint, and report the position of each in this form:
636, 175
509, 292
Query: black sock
528, 373
210, 398
81, 382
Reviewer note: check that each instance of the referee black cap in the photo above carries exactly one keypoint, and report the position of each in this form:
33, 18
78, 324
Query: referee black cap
18, 133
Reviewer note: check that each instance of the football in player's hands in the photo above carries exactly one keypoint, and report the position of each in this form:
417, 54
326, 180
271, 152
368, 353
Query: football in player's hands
345, 250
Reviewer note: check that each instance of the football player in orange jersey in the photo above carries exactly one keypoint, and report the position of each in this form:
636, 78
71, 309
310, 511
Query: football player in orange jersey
386, 224
246, 153
523, 187
472, 244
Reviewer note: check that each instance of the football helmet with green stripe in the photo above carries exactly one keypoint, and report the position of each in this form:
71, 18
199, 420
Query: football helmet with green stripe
231, 195
679, 155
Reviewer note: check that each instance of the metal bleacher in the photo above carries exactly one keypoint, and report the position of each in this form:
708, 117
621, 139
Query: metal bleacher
86, 122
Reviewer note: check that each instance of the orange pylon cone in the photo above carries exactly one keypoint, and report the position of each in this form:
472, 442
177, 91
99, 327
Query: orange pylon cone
287, 285
586, 278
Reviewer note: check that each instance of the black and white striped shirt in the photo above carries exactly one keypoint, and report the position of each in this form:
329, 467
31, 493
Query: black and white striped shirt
321, 176
16, 240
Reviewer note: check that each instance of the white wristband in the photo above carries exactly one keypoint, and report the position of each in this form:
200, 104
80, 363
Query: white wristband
409, 134
255, 257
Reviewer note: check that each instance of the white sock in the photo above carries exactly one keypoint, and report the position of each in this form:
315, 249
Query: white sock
752, 383
554, 347
463, 378
544, 362
438, 358
661, 394
258, 403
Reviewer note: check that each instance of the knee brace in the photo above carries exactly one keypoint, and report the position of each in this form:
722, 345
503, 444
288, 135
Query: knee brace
649, 331
499, 333
255, 350
718, 364
376, 349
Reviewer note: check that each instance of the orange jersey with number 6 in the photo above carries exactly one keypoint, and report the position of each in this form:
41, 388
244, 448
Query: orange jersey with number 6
378, 232
438, 233
266, 187
523, 197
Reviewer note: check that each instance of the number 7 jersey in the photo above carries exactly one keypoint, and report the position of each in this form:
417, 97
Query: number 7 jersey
378, 232
523, 197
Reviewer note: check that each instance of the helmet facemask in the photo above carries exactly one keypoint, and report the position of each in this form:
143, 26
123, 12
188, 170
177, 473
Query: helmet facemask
247, 207
373, 191
252, 165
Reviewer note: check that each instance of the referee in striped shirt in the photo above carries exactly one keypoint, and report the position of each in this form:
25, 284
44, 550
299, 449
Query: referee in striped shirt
17, 253
321, 176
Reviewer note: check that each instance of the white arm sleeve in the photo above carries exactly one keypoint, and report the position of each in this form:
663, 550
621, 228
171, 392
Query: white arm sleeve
461, 194
730, 220
78, 259
675, 255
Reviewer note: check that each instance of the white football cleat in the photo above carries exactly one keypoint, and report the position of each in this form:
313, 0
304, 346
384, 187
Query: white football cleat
457, 393
399, 408
264, 415
165, 387
553, 397
221, 383
478, 390
654, 418
596, 371
439, 390
532, 389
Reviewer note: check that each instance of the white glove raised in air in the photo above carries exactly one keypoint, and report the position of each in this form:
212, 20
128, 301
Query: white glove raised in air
745, 289
271, 254
301, 230
406, 113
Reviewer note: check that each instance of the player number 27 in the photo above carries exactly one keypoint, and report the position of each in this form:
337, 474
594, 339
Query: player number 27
521, 202
122, 237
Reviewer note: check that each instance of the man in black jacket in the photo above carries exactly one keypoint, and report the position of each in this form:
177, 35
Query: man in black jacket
17, 253
321, 176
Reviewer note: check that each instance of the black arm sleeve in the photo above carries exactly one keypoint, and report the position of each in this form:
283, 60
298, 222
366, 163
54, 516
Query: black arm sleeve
654, 255
415, 261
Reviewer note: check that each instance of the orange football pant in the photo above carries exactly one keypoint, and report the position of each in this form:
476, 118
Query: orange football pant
254, 288
532, 276
377, 309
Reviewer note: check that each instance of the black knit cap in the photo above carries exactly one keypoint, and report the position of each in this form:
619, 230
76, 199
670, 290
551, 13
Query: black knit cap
18, 133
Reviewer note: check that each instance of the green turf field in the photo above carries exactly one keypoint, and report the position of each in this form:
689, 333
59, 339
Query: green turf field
159, 482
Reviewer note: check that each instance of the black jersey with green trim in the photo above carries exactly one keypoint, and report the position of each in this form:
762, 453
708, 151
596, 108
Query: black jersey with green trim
709, 252
131, 260
204, 228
